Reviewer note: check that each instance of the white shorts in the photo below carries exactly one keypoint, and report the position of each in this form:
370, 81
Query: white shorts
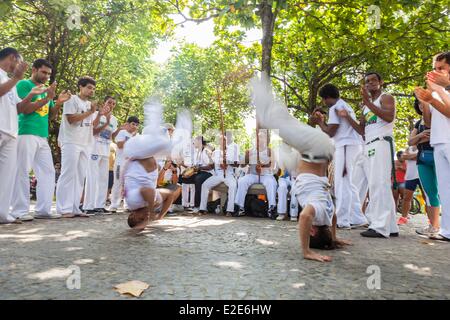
313, 190
136, 201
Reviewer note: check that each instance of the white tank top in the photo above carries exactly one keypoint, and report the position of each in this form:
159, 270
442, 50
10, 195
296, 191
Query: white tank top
264, 158
375, 126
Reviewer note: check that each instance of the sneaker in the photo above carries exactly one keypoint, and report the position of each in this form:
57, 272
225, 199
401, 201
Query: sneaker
90, 212
372, 234
439, 237
402, 220
48, 216
393, 234
112, 209
271, 213
102, 212
293, 219
229, 214
188, 209
281, 217
241, 212
344, 227
196, 210
427, 231
177, 208
81, 215
26, 217
10, 219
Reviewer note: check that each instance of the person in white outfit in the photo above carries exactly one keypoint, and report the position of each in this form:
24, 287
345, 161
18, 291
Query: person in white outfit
98, 163
127, 131
436, 112
348, 145
223, 172
75, 138
285, 182
33, 150
259, 173
10, 106
377, 125
187, 189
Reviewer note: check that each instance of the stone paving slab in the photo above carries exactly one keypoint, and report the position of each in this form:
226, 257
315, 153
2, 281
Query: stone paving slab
212, 257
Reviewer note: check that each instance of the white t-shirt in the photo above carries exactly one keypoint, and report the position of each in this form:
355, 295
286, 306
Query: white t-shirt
136, 177
80, 132
440, 124
233, 150
123, 135
345, 134
375, 126
8, 107
264, 159
104, 138
217, 157
201, 158
411, 170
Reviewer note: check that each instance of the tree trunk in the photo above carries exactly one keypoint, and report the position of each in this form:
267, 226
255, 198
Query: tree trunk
268, 23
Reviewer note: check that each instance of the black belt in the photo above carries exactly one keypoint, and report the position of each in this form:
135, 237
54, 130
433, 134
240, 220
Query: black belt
391, 144
312, 158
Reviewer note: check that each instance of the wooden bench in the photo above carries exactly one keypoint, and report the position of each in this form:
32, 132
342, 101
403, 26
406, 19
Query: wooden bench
221, 191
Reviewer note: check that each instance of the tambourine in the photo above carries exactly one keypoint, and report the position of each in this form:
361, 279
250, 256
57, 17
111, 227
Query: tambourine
189, 172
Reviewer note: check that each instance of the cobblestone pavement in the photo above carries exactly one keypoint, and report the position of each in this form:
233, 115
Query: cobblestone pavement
212, 257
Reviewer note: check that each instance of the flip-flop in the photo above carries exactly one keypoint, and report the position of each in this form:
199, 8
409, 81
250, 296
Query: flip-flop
439, 237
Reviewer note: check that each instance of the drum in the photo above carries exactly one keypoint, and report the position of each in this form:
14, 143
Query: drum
189, 172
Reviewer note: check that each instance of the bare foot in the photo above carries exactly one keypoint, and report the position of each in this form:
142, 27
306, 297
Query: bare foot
316, 257
343, 242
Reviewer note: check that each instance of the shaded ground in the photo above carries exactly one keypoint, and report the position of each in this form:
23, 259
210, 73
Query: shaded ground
212, 257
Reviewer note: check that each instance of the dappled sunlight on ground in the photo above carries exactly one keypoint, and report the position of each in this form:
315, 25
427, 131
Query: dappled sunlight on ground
425, 271
54, 273
230, 264
68, 236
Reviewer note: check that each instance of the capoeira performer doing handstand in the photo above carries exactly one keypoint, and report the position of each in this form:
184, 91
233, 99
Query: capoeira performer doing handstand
145, 202
223, 172
309, 151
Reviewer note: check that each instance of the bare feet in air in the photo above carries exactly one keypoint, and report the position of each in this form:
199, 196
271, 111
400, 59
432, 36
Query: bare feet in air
310, 255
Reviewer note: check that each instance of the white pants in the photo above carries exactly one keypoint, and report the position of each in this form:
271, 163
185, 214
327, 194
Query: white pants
70, 184
187, 195
378, 170
442, 162
116, 190
348, 204
359, 178
96, 182
213, 181
246, 181
8, 160
283, 188
33, 152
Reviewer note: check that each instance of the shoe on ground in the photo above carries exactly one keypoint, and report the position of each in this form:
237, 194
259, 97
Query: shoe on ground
102, 212
439, 237
196, 210
344, 227
26, 217
90, 212
281, 217
402, 221
10, 219
112, 209
372, 234
293, 219
48, 216
241, 213
229, 214
393, 234
428, 231
188, 209
177, 208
